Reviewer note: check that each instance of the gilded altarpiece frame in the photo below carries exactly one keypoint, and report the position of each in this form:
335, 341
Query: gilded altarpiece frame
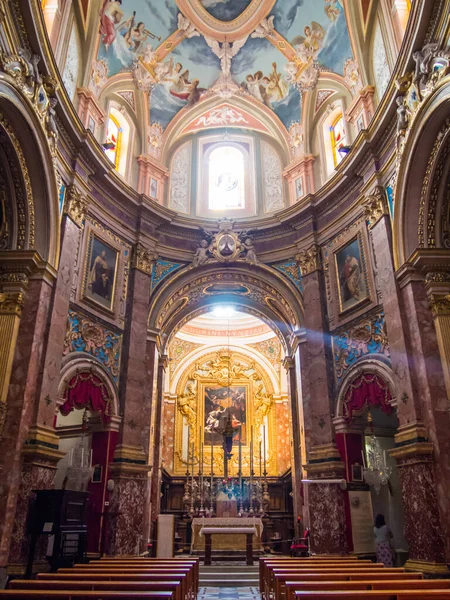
237, 379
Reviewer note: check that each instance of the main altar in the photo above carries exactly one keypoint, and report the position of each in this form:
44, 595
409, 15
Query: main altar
232, 541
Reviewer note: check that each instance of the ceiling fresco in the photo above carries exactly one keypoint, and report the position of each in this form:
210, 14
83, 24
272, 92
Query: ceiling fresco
273, 64
225, 10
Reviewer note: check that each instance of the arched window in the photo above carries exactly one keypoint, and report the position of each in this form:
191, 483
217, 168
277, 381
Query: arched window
117, 140
338, 138
226, 189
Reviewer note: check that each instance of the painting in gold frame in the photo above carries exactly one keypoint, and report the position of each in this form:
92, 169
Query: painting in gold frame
219, 403
100, 272
351, 274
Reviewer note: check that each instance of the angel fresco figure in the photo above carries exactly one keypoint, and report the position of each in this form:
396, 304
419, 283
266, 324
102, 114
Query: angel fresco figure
309, 45
332, 9
225, 52
111, 15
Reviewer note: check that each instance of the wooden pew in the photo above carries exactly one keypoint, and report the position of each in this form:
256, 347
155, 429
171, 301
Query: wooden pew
111, 577
366, 584
274, 583
374, 595
74, 584
83, 595
138, 561
265, 563
189, 589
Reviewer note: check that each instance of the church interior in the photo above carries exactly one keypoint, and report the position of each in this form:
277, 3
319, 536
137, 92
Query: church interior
224, 282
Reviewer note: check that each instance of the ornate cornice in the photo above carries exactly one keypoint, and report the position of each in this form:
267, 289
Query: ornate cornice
143, 259
440, 304
375, 206
75, 205
309, 260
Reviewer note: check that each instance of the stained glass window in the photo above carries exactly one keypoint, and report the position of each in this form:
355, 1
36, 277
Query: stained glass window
338, 138
113, 140
226, 179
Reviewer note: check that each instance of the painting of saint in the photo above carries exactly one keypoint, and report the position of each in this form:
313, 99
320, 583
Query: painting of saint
351, 276
101, 268
220, 403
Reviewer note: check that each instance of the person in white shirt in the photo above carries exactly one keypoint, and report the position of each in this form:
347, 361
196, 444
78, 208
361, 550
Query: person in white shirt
383, 538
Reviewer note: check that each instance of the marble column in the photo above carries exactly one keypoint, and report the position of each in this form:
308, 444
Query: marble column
423, 439
296, 424
35, 278
156, 472
326, 501
129, 501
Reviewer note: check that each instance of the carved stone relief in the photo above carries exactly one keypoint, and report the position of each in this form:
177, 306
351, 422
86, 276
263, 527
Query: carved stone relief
180, 179
272, 178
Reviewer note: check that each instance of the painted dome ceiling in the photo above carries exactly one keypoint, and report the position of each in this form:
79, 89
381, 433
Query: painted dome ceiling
270, 51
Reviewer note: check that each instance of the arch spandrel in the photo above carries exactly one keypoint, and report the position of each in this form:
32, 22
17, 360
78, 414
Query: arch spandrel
256, 289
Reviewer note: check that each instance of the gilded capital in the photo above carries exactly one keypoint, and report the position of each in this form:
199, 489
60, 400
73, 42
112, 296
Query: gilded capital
440, 304
437, 276
375, 206
11, 303
309, 260
75, 205
143, 259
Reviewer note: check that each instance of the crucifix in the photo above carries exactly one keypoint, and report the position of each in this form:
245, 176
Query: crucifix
227, 433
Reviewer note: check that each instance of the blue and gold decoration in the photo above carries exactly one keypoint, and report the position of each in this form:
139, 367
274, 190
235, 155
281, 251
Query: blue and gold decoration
83, 335
291, 269
162, 269
366, 337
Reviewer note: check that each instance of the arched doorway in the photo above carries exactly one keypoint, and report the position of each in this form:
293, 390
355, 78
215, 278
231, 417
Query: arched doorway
366, 424
87, 425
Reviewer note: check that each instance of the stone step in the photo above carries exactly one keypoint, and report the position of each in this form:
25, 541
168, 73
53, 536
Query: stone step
223, 574
212, 583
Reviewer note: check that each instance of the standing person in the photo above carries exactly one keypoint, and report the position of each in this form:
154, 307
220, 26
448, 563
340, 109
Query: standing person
383, 537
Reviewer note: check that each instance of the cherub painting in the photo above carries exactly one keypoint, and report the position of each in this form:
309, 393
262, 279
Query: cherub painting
125, 34
267, 89
332, 9
309, 45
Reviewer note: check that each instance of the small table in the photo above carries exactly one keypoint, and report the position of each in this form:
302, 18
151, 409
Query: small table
209, 531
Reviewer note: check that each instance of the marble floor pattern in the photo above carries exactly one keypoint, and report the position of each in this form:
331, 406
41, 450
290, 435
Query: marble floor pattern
228, 593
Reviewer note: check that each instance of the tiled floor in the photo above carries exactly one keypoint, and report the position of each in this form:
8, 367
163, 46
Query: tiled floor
231, 593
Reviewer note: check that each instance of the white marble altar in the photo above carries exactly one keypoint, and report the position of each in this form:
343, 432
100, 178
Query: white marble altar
234, 540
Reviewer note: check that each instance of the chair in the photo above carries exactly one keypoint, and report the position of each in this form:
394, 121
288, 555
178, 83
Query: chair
300, 545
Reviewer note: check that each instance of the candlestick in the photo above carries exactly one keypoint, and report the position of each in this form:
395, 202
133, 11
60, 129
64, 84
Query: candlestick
264, 443
260, 461
363, 460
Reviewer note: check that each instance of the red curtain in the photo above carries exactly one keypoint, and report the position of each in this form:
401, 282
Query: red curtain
87, 390
365, 391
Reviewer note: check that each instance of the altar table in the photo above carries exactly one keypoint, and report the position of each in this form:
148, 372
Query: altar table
249, 532
231, 542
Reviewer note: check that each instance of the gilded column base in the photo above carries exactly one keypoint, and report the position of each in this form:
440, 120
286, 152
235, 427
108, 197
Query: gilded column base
324, 462
129, 459
428, 568
41, 446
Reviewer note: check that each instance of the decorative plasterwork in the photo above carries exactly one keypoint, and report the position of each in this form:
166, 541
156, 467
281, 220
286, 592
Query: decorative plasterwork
178, 350
367, 336
376, 206
291, 269
40, 90
270, 349
321, 97
162, 269
128, 96
225, 115
22, 186
432, 64
75, 205
143, 259
309, 260
85, 335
